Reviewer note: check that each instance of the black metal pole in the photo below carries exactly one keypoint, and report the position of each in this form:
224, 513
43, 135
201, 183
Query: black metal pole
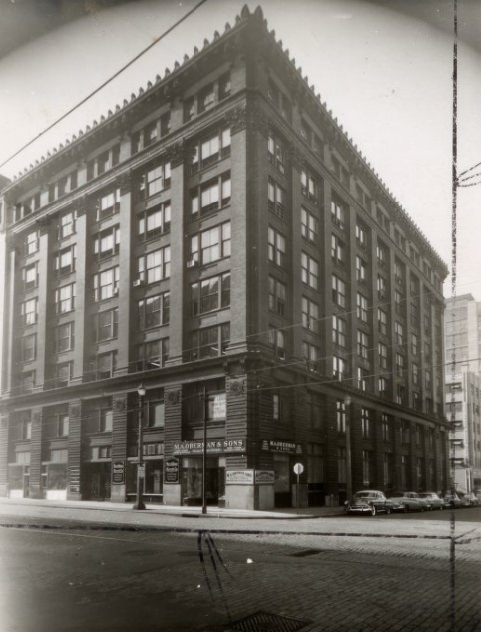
139, 503
204, 449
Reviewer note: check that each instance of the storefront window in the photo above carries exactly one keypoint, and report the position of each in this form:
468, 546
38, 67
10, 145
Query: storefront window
192, 480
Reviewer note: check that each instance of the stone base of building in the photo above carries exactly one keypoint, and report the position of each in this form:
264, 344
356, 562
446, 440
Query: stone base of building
172, 495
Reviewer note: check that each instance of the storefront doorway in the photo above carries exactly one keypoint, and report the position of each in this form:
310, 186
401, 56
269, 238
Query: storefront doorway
192, 480
282, 488
96, 482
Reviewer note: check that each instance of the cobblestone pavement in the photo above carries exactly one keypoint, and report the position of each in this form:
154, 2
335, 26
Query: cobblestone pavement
334, 574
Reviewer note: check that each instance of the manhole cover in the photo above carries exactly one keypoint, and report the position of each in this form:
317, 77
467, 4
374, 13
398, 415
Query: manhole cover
305, 552
267, 622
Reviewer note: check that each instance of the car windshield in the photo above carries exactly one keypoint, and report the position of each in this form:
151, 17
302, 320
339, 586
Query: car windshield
364, 495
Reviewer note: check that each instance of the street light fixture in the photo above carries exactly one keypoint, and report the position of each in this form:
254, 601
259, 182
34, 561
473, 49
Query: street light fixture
347, 412
204, 449
139, 503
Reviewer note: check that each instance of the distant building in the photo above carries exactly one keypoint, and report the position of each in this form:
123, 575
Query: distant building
221, 240
463, 399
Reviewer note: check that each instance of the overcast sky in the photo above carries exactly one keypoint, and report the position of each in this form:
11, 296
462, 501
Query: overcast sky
383, 67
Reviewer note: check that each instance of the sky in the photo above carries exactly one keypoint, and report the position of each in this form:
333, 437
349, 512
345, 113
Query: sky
384, 68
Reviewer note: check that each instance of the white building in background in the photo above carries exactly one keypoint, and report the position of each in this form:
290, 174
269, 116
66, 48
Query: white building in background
463, 388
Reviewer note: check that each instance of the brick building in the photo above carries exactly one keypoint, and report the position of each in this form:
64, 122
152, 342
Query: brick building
221, 240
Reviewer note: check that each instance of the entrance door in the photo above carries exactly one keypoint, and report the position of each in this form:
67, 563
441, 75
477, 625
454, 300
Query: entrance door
282, 490
192, 481
97, 481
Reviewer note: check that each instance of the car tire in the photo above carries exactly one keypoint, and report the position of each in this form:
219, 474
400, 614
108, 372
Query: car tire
405, 508
441, 507
388, 511
373, 511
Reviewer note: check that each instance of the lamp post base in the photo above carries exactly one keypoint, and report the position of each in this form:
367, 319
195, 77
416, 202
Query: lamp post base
139, 505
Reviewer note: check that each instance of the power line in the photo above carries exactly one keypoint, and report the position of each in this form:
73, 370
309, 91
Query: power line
460, 175
106, 82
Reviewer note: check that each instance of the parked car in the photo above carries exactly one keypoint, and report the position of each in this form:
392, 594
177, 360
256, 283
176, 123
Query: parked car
453, 500
433, 500
368, 501
472, 500
407, 501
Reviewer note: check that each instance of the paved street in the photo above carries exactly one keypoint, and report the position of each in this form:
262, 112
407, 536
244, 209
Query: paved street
125, 571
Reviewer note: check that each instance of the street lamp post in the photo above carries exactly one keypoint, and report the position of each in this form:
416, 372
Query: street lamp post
139, 503
204, 449
347, 403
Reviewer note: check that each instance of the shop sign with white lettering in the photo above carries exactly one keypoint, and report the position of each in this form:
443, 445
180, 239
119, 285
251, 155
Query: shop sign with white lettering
239, 477
214, 446
264, 477
286, 447
171, 470
118, 472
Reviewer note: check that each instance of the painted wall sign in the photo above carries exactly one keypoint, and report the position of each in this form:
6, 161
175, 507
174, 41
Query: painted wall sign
171, 474
239, 477
118, 472
215, 446
74, 479
264, 477
286, 447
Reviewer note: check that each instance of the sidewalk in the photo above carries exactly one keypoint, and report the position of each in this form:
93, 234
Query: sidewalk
180, 511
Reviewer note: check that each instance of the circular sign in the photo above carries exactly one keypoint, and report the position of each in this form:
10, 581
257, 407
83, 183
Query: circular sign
298, 468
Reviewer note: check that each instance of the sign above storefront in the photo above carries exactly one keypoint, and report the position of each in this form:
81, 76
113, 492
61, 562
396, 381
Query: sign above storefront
239, 477
285, 447
216, 446
264, 477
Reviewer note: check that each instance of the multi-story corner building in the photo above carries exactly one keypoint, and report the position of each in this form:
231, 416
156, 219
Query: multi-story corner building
463, 348
219, 239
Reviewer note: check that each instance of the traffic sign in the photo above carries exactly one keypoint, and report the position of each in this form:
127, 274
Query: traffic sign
298, 468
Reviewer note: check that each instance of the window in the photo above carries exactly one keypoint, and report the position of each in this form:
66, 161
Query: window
108, 204
309, 225
276, 198
30, 276
338, 254
309, 186
276, 247
361, 307
205, 98
209, 151
65, 298
280, 102
382, 321
106, 284
156, 415
28, 381
381, 287
154, 311
414, 344
63, 423
382, 220
66, 225
107, 324
106, 364
209, 342
63, 373
214, 244
386, 427
224, 86
154, 221
25, 424
400, 365
107, 242
276, 153
65, 260
276, 407
213, 195
165, 124
361, 269
338, 291
382, 353
277, 296
65, 337
405, 434
309, 271
29, 311
154, 266
338, 212
341, 416
155, 180
367, 467
306, 132
310, 315
153, 354
341, 465
338, 367
400, 394
362, 345
189, 109
382, 255
365, 423
151, 133
103, 163
28, 349
106, 420
211, 294
338, 331
31, 243
399, 273
310, 352
362, 378
277, 340
361, 236
399, 333
414, 314
383, 386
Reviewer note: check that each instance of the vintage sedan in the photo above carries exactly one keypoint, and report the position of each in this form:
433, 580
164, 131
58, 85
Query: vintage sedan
368, 501
453, 500
433, 500
407, 501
